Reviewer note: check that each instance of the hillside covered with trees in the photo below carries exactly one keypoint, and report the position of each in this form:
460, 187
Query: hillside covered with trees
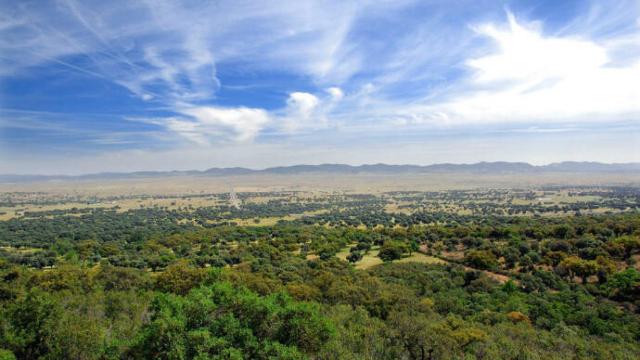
354, 281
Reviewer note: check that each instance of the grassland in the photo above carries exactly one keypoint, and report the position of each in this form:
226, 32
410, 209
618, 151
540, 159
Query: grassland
371, 259
210, 192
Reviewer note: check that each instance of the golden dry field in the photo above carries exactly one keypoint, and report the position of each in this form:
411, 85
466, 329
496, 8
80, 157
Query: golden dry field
193, 192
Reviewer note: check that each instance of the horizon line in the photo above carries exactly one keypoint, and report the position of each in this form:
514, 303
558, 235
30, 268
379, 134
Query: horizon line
320, 164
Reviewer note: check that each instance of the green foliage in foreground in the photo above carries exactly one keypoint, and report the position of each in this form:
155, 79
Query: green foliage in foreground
279, 292
214, 321
221, 321
394, 311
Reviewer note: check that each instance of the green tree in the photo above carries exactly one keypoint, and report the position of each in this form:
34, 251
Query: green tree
481, 259
180, 277
392, 250
354, 256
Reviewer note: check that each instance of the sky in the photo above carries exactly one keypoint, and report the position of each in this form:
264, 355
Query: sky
92, 86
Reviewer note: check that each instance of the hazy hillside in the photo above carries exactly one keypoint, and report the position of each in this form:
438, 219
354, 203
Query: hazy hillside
499, 167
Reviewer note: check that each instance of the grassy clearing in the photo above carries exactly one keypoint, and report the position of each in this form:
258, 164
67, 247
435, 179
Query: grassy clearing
368, 260
371, 259
422, 258
342, 254
273, 220
21, 250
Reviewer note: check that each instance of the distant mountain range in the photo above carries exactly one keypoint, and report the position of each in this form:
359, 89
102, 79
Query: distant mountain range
498, 167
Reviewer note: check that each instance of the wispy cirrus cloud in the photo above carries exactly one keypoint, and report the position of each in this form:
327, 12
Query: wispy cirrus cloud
169, 49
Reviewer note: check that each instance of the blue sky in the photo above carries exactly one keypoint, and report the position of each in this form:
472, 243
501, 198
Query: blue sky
88, 86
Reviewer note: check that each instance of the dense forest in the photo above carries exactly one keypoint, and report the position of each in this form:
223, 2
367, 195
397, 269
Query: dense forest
172, 284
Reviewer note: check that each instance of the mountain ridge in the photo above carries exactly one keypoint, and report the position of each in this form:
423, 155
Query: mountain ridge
484, 167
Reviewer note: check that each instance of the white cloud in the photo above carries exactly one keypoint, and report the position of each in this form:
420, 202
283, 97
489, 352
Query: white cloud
302, 104
203, 124
524, 55
207, 122
306, 111
189, 129
336, 93
530, 77
300, 112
